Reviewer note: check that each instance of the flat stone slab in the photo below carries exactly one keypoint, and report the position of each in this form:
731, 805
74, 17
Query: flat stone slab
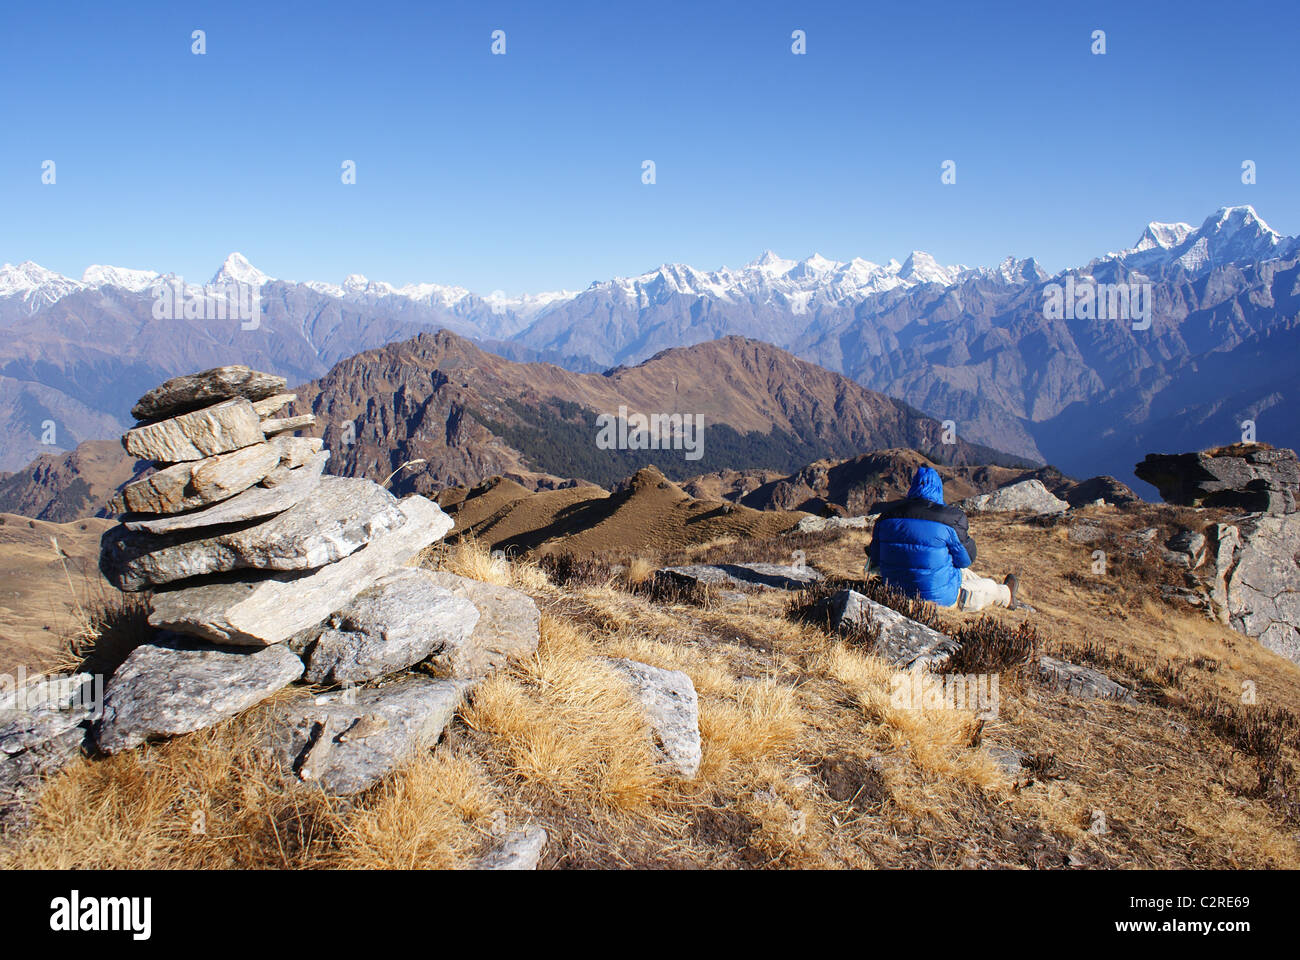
507, 627
175, 489
1081, 681
673, 711
285, 424
348, 740
519, 850
255, 503
229, 425
194, 390
274, 403
903, 641
1029, 496
23, 775
45, 709
774, 576
265, 608
176, 686
342, 515
820, 524
395, 623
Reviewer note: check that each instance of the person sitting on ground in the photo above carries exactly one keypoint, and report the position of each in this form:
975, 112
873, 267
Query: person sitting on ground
922, 547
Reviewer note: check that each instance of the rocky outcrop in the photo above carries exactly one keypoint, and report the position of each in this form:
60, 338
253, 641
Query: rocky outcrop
1027, 496
1244, 476
1256, 587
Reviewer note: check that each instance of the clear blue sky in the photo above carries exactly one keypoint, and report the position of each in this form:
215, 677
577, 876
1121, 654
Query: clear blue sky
523, 172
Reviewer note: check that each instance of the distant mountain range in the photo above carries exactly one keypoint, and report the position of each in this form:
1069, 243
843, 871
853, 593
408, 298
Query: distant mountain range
971, 345
464, 414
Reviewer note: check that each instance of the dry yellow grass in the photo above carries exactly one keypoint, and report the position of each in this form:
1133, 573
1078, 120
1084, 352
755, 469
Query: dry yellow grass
807, 759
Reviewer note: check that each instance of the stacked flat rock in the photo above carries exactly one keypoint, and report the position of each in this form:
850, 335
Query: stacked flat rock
264, 571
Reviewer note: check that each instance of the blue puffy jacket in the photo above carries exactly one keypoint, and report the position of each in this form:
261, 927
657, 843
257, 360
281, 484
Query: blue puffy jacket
920, 545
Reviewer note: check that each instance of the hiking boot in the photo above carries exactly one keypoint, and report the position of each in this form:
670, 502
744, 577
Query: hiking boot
1012, 584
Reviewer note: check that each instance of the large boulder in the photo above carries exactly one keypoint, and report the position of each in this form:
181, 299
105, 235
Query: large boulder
348, 740
672, 709
1027, 496
194, 390
901, 640
1257, 579
399, 621
261, 608
227, 426
44, 710
177, 686
1244, 476
342, 515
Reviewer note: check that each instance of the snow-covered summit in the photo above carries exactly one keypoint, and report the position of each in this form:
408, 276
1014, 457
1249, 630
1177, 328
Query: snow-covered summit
237, 269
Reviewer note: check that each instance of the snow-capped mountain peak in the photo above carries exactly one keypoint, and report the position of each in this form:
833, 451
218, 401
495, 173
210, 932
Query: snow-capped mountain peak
34, 285
237, 269
99, 275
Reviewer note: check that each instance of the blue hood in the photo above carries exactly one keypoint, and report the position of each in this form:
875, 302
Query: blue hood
927, 484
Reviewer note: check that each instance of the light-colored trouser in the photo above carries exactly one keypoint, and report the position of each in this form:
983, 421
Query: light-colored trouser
978, 592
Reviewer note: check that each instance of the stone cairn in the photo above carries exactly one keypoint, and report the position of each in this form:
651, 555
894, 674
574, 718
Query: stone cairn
264, 572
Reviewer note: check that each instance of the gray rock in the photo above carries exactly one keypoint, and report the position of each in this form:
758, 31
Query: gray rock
1244, 476
1081, 681
348, 740
1010, 762
342, 515
181, 394
507, 627
254, 503
1189, 545
287, 424
1086, 532
176, 686
1146, 535
672, 709
1261, 581
1227, 541
902, 640
770, 575
24, 775
265, 608
519, 850
197, 483
1027, 496
45, 709
229, 425
819, 524
401, 619
174, 489
273, 404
